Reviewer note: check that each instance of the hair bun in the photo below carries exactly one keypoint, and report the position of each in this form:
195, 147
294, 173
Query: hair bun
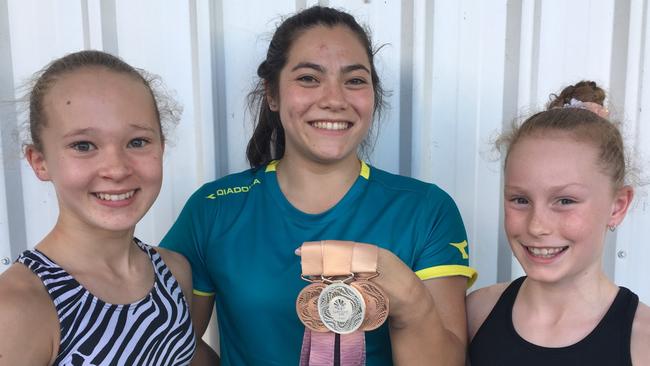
585, 91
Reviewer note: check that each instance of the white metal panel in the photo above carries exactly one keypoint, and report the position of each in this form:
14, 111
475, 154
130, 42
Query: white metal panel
483, 179
39, 32
458, 70
632, 249
246, 38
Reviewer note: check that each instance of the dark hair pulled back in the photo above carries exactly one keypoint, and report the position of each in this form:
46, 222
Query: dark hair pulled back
268, 141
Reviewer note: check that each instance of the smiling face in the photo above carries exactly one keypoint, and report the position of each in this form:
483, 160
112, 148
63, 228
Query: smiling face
558, 203
102, 149
325, 97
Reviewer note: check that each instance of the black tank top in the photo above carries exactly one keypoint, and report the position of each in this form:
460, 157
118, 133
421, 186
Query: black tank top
497, 343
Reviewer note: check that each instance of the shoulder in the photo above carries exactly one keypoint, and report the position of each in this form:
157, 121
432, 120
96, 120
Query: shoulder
480, 303
204, 204
180, 268
241, 179
21, 291
641, 336
407, 186
28, 318
397, 182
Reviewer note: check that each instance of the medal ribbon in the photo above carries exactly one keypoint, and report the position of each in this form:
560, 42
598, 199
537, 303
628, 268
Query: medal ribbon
329, 259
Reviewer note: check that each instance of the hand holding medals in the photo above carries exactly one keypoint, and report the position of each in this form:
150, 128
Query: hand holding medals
341, 297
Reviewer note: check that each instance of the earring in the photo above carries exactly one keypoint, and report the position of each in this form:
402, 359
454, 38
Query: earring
611, 227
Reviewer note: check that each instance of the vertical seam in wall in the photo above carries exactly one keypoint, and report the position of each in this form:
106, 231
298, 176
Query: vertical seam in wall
109, 26
85, 23
10, 141
458, 100
477, 16
218, 88
511, 66
428, 59
406, 89
534, 70
637, 113
617, 81
196, 87
619, 54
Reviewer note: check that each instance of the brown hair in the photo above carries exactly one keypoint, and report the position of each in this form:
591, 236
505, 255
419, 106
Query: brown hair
584, 91
167, 109
581, 124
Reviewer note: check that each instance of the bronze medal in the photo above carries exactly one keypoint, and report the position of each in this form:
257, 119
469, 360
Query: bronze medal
307, 307
376, 304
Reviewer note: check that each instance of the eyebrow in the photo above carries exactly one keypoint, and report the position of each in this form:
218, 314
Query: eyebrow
80, 131
553, 188
319, 68
91, 130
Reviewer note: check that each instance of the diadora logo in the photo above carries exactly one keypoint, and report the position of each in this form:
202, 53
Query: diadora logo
461, 248
232, 190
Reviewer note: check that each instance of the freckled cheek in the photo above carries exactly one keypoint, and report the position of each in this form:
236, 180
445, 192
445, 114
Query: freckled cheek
74, 174
514, 222
294, 102
151, 168
575, 227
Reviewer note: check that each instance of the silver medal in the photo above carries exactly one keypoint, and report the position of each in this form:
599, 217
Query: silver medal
341, 308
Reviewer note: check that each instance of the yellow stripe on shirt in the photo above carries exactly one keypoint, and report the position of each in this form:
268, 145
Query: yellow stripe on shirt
449, 270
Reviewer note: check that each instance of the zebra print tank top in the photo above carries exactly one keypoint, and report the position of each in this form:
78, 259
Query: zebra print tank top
156, 330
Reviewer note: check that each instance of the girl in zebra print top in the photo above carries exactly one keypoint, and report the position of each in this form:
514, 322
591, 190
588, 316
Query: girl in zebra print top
90, 293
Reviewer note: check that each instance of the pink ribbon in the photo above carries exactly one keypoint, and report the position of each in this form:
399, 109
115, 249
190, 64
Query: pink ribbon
318, 349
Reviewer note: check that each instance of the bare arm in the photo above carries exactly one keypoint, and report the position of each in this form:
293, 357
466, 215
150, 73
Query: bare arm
201, 312
28, 320
641, 336
433, 332
427, 319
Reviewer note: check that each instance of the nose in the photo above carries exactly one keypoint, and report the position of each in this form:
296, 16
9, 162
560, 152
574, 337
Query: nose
333, 97
539, 223
115, 164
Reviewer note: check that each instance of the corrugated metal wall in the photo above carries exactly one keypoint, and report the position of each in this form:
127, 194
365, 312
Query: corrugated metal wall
459, 71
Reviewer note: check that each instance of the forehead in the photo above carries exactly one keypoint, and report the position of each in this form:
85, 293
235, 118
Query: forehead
96, 95
553, 157
95, 80
322, 43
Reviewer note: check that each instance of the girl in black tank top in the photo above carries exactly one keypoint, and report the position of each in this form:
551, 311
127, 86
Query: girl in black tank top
564, 188
607, 344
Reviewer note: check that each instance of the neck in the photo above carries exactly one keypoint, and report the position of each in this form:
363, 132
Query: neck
316, 187
78, 246
580, 295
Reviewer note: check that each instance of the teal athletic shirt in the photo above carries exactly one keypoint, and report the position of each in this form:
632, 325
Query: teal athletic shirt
239, 234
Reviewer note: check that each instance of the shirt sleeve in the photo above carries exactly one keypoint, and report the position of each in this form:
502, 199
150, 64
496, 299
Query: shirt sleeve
187, 237
446, 251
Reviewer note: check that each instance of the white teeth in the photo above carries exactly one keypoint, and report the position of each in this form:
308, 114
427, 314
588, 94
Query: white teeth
331, 125
545, 252
114, 197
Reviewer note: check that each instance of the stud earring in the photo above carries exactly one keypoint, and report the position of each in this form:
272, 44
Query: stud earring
611, 227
